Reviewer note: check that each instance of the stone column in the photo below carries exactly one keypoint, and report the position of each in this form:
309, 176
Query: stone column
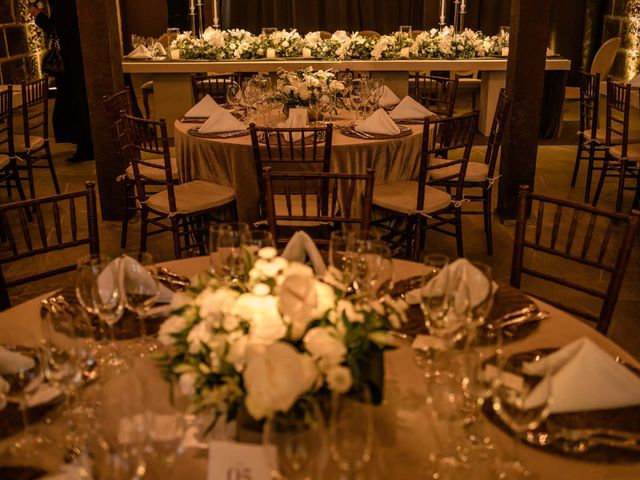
528, 39
102, 57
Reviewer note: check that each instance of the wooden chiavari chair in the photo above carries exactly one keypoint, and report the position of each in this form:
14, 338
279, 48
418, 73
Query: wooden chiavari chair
115, 105
621, 160
180, 208
24, 240
290, 149
8, 167
370, 34
213, 85
481, 175
35, 118
578, 249
328, 200
591, 139
438, 94
419, 204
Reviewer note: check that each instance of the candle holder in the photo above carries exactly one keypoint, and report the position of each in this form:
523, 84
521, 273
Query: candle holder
200, 26
192, 14
463, 11
443, 22
456, 16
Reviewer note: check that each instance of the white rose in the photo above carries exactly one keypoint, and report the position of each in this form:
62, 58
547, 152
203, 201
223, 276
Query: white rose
214, 306
298, 300
339, 379
347, 308
325, 347
199, 334
336, 86
237, 350
171, 326
275, 377
304, 94
266, 325
187, 383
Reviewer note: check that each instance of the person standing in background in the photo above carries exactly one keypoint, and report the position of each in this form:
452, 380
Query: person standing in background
71, 112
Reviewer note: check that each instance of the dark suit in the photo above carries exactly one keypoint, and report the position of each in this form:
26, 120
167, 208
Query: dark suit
71, 111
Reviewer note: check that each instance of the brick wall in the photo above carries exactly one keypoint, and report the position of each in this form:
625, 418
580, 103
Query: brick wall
20, 43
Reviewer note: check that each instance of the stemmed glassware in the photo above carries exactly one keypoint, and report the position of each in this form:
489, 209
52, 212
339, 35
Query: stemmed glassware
521, 403
257, 239
357, 101
299, 440
98, 291
326, 105
351, 432
341, 244
234, 96
232, 251
140, 289
21, 380
372, 268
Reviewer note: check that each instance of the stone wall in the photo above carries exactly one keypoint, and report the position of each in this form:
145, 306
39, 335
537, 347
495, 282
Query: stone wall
622, 19
21, 43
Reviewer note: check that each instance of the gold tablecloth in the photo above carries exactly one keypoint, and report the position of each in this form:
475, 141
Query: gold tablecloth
404, 426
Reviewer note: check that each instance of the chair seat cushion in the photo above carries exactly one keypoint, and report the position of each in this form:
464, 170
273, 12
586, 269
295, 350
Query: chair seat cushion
4, 161
601, 137
403, 197
633, 152
476, 171
154, 173
35, 143
193, 197
280, 202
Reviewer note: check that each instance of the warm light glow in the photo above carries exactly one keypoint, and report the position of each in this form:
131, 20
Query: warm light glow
35, 39
633, 19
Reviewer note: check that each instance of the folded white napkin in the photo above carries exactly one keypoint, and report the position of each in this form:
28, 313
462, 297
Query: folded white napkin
159, 50
140, 52
584, 377
378, 122
298, 118
388, 98
222, 121
13, 362
302, 246
410, 109
203, 109
464, 283
105, 278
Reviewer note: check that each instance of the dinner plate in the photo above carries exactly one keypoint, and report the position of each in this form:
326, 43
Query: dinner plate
551, 435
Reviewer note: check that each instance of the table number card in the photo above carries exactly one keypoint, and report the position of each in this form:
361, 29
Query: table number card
240, 461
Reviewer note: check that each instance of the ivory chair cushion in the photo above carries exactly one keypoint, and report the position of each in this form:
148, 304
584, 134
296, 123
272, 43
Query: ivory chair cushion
601, 137
193, 197
403, 196
476, 171
633, 152
280, 202
154, 173
18, 143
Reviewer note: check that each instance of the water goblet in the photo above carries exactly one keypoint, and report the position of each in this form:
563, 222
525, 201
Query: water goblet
98, 292
232, 243
351, 432
258, 239
140, 289
298, 438
521, 403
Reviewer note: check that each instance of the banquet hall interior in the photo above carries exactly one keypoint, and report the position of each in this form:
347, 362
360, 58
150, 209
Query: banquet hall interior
320, 239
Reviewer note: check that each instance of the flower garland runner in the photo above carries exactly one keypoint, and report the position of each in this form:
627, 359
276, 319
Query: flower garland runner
240, 44
280, 337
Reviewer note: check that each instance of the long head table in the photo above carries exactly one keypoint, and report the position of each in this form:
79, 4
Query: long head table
404, 426
172, 84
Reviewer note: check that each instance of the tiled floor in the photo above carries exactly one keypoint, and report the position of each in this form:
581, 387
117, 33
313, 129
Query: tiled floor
555, 163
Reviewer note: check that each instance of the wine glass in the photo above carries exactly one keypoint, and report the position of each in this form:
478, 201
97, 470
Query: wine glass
22, 379
373, 268
234, 96
98, 291
298, 438
140, 288
522, 403
257, 239
314, 107
326, 104
340, 250
356, 100
351, 432
232, 242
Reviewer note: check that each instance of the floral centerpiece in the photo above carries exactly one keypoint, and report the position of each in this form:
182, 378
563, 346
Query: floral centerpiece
296, 88
241, 44
279, 337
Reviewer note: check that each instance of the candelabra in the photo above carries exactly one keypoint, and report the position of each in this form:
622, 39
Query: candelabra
192, 14
456, 16
216, 17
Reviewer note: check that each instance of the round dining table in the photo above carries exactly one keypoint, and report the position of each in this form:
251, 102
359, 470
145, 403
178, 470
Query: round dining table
404, 425
229, 161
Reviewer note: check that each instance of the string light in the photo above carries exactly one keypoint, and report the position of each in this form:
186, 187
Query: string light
35, 38
632, 53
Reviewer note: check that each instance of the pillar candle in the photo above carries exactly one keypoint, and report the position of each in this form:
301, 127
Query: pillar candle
404, 53
175, 54
306, 52
215, 13
442, 10
271, 53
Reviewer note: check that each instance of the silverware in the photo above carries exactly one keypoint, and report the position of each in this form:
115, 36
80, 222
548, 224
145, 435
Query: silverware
578, 434
531, 317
